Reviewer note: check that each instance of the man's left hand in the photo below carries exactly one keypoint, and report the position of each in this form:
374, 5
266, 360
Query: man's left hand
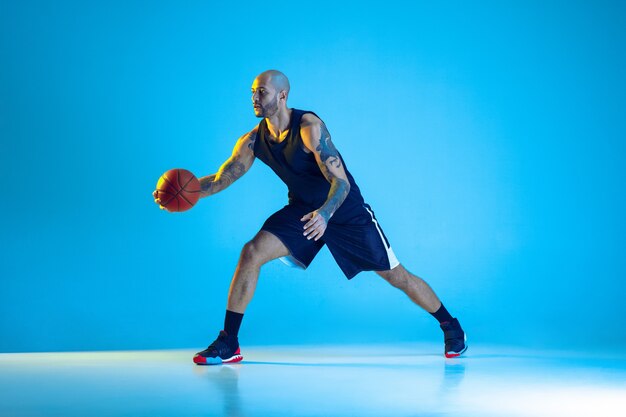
316, 225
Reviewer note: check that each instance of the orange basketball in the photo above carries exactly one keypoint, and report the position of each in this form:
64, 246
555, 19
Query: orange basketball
178, 190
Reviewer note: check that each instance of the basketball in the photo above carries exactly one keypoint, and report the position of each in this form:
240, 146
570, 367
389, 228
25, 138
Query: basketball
178, 190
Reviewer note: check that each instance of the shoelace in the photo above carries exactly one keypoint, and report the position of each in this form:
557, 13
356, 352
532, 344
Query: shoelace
219, 342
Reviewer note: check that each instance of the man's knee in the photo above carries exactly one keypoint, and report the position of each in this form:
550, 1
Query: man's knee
252, 254
249, 253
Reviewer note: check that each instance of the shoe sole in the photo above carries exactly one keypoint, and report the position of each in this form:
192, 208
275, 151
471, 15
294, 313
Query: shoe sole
201, 360
457, 354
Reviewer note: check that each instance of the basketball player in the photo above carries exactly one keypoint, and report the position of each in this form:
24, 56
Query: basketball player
325, 208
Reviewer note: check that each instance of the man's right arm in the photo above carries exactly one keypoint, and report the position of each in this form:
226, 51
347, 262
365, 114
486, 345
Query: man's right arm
238, 164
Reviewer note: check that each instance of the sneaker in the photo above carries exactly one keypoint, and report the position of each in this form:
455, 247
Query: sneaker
225, 349
454, 337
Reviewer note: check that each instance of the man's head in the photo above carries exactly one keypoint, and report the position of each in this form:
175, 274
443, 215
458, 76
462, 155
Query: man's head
270, 91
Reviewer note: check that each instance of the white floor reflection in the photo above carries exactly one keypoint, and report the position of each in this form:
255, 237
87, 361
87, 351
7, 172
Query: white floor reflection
410, 380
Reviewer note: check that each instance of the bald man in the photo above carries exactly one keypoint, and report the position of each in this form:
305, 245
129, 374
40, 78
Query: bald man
325, 208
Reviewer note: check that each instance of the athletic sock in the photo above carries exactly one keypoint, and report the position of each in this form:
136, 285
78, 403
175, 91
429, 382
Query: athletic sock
232, 322
442, 314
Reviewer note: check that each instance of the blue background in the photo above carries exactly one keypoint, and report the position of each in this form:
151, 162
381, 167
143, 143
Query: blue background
488, 137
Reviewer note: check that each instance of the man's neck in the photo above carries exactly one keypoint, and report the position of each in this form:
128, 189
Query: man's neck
279, 122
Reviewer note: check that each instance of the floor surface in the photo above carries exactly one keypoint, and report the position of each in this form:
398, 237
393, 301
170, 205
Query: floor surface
406, 380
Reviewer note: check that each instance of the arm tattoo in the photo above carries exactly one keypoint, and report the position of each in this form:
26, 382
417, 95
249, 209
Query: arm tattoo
339, 188
328, 153
206, 185
230, 172
251, 140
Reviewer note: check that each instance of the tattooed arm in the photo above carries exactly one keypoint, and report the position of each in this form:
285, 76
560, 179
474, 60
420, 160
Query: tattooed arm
317, 140
238, 164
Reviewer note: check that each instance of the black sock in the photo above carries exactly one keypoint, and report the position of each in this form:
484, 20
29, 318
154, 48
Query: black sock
232, 322
442, 314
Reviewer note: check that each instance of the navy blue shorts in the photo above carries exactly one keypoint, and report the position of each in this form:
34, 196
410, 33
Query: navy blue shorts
357, 245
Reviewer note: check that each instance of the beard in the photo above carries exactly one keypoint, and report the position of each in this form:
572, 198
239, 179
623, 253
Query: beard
270, 109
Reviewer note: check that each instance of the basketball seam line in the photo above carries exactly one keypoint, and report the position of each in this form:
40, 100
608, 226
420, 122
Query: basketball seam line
175, 195
181, 189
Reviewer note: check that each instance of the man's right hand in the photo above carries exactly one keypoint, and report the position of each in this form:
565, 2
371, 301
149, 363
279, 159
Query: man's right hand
157, 200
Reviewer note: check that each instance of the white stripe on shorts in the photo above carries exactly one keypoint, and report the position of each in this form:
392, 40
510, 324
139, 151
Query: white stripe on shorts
393, 261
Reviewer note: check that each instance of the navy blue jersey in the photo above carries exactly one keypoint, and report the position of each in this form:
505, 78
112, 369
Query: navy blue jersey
298, 169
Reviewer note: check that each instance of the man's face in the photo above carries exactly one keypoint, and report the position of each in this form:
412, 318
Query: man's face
264, 98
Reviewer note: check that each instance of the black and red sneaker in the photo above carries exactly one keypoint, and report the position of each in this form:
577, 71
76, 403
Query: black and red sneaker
225, 349
454, 337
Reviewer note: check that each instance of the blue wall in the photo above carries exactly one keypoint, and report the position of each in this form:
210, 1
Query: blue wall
489, 139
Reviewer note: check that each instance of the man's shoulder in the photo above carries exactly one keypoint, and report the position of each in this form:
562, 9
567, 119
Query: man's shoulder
250, 134
309, 118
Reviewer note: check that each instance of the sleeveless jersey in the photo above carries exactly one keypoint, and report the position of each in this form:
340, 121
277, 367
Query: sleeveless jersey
298, 169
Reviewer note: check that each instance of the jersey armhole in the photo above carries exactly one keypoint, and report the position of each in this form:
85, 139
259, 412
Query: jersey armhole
302, 147
258, 138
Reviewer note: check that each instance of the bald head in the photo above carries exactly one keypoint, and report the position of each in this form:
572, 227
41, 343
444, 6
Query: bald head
270, 90
277, 79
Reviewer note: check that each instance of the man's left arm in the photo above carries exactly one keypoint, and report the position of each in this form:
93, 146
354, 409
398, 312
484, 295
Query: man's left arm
316, 138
